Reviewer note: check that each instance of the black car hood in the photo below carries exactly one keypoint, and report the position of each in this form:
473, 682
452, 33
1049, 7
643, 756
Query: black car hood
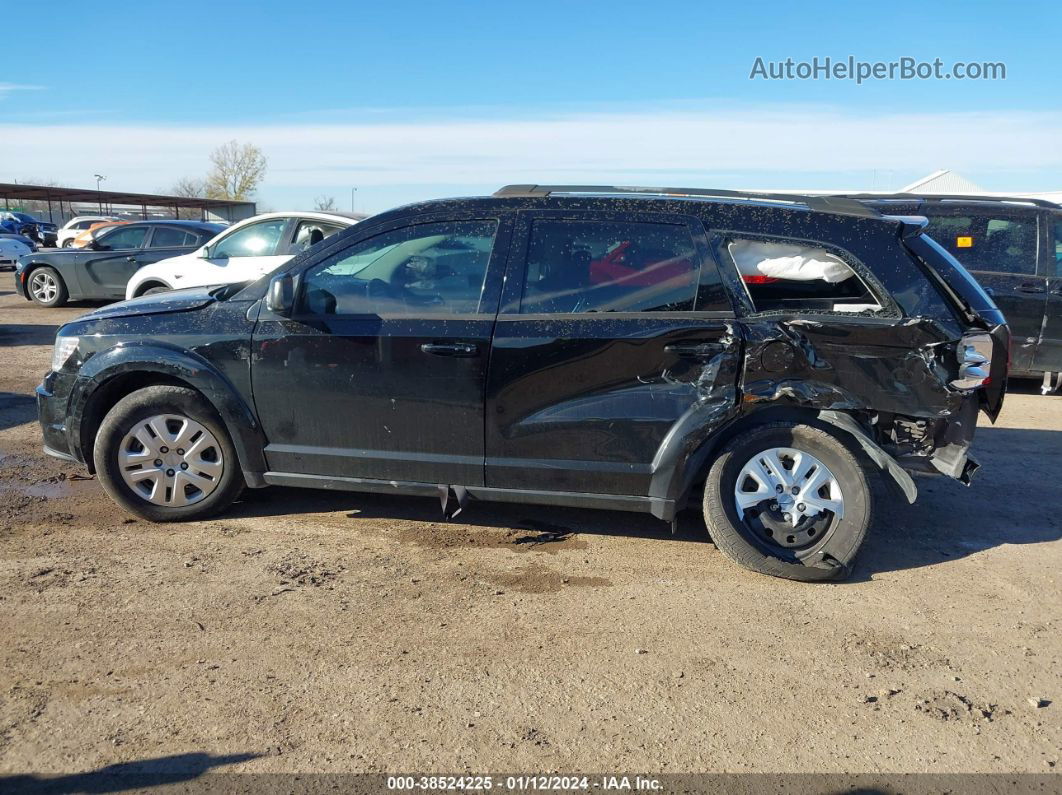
159, 303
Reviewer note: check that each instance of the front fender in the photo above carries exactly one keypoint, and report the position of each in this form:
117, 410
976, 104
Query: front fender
158, 358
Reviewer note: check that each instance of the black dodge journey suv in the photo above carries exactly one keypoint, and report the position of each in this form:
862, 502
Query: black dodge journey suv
622, 348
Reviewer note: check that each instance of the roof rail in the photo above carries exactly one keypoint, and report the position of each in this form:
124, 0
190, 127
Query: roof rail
830, 204
948, 196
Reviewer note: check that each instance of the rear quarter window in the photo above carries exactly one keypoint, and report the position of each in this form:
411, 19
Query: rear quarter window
799, 276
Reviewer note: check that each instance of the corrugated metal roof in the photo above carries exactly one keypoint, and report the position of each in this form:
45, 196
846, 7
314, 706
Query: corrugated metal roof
943, 181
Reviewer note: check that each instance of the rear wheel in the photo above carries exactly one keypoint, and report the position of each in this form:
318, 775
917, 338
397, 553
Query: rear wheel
789, 500
47, 287
155, 290
163, 454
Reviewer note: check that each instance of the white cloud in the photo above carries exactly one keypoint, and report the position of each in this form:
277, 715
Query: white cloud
6, 88
765, 147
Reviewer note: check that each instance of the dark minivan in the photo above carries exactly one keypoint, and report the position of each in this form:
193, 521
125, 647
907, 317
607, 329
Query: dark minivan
1013, 247
619, 348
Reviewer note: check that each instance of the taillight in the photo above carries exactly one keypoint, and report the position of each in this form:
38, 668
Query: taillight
975, 361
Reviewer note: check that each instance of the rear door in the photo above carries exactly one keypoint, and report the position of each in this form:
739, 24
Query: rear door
1049, 351
1000, 248
107, 269
601, 348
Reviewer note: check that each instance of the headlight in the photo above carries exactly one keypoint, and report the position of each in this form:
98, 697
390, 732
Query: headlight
64, 349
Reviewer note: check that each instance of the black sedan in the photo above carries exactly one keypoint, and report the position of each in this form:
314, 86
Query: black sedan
101, 270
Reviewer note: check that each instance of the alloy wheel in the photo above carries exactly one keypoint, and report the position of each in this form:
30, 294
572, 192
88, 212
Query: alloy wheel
43, 287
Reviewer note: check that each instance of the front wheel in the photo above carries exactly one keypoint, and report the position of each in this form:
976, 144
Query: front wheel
789, 500
47, 287
163, 454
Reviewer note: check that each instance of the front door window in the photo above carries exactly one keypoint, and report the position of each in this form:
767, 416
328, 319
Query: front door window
415, 270
255, 240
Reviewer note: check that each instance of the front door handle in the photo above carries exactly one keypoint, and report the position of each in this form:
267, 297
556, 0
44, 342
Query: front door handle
1030, 287
450, 348
694, 350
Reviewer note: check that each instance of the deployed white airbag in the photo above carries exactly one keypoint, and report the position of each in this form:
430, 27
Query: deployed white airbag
788, 261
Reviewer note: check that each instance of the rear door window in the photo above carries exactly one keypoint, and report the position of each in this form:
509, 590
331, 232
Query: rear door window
309, 233
985, 242
609, 266
168, 237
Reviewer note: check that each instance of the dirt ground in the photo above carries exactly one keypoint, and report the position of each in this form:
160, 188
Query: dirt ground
310, 631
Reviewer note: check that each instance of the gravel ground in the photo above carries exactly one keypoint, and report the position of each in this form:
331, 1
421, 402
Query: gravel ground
311, 631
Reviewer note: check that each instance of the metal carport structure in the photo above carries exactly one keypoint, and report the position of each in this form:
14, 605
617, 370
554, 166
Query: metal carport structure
210, 209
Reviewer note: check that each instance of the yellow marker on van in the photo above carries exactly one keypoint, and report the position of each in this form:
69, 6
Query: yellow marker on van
964, 242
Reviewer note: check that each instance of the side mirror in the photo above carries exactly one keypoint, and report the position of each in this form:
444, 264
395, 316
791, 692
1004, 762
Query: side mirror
203, 253
281, 296
96, 245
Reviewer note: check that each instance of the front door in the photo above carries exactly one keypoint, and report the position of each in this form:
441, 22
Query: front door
242, 255
381, 369
1000, 250
612, 333
108, 266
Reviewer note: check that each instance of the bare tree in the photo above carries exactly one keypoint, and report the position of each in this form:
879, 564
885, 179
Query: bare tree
188, 188
325, 203
236, 171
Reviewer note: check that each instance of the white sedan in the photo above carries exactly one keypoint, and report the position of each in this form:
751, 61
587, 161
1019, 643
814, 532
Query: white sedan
10, 251
243, 252
75, 226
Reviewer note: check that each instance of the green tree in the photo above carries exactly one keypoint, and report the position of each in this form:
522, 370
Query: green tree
236, 171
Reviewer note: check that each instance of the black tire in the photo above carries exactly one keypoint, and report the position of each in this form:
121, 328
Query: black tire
60, 294
141, 405
155, 290
830, 555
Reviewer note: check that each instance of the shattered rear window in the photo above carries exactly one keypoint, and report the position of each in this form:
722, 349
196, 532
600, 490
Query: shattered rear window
799, 277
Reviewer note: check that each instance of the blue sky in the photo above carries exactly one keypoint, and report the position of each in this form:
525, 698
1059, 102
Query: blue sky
407, 100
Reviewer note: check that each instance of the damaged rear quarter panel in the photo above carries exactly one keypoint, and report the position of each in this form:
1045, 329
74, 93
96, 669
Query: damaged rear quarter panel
850, 365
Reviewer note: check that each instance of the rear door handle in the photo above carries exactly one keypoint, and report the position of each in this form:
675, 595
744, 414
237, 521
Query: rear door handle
694, 350
450, 349
1030, 287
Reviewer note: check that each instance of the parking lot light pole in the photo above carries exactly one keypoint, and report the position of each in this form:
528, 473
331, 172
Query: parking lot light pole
99, 194
352, 192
